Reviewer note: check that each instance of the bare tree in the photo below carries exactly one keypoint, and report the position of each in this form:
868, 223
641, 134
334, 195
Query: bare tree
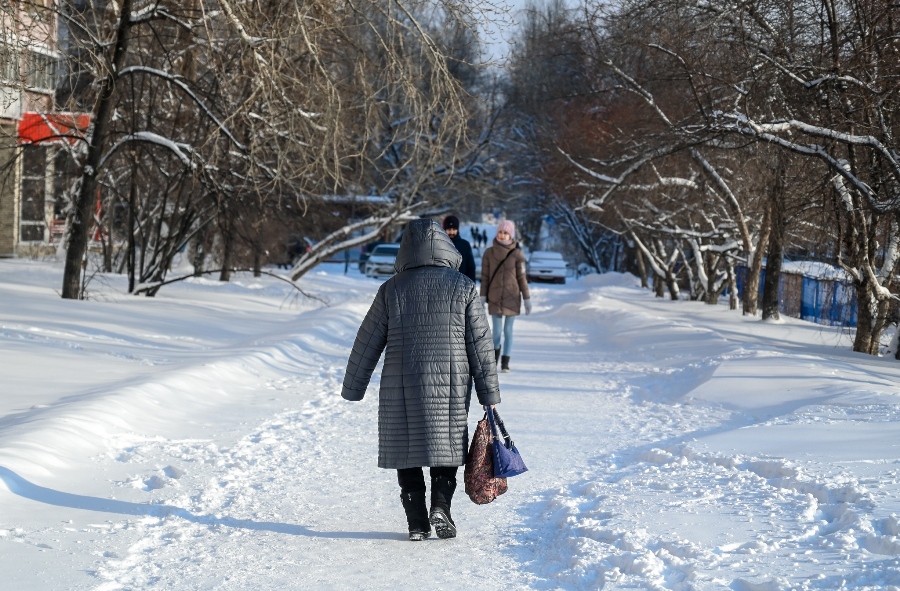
811, 79
255, 112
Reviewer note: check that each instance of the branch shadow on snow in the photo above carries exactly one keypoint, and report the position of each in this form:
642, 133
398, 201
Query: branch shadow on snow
28, 490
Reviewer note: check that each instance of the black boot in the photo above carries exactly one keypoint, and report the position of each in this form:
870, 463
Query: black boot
496, 355
442, 489
504, 364
416, 514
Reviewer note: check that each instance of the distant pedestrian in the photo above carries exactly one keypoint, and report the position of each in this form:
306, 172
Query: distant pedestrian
504, 288
430, 320
451, 227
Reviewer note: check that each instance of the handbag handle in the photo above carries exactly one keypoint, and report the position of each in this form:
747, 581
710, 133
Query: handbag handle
497, 425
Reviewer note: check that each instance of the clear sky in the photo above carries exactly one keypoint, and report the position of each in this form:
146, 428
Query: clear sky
496, 36
504, 23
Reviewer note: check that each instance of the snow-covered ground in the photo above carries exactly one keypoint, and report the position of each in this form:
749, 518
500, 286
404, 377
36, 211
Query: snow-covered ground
197, 440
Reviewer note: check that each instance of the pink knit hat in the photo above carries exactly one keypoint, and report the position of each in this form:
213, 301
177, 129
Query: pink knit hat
508, 227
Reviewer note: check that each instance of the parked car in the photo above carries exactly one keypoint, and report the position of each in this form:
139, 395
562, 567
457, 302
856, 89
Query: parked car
365, 252
546, 265
381, 262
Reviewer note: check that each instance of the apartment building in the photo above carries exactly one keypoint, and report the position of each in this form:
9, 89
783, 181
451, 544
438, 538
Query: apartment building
32, 131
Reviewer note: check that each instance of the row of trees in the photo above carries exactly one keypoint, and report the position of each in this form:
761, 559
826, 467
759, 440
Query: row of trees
717, 134
700, 136
232, 126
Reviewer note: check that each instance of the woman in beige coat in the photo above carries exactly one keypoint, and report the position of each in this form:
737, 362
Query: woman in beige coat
504, 288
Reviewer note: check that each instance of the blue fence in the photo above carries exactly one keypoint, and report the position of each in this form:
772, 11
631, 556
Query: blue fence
825, 301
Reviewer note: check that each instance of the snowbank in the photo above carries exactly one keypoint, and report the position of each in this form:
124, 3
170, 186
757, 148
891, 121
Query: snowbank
197, 440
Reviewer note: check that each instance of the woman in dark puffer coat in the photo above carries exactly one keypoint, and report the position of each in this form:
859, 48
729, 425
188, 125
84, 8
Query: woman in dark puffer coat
430, 320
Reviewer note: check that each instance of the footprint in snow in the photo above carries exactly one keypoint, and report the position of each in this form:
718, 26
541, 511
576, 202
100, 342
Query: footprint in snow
154, 483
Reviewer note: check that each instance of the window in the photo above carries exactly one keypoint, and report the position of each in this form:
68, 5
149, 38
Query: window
33, 195
32, 200
9, 64
64, 175
34, 162
40, 71
32, 233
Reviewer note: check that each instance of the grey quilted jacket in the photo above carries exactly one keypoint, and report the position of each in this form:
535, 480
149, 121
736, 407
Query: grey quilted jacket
429, 319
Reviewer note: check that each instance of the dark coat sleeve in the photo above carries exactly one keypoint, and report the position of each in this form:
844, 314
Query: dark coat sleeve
480, 351
370, 342
467, 267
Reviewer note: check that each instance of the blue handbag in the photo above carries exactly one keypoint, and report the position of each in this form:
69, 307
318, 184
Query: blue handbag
507, 460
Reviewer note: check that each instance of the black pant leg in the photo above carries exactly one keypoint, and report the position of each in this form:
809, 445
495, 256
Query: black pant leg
443, 484
411, 479
448, 472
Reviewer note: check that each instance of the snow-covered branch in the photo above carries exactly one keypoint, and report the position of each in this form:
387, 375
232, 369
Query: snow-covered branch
181, 151
640, 91
154, 11
179, 82
823, 132
651, 257
818, 151
891, 253
339, 240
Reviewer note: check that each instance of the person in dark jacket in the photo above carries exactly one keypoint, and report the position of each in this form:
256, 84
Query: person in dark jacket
451, 227
429, 319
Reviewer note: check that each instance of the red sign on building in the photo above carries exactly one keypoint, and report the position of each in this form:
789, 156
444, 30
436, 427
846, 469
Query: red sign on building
53, 127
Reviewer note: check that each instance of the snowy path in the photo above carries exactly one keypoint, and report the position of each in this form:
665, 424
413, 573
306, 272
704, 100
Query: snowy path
671, 446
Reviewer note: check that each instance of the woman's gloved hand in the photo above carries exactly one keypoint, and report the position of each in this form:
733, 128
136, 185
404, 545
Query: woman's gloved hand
484, 300
527, 306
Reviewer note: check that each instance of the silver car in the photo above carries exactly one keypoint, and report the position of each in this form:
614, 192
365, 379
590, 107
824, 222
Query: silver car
381, 262
546, 265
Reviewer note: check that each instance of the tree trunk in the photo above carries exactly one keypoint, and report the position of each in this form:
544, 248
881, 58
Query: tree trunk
672, 284
772, 281
198, 256
80, 217
614, 263
130, 255
659, 286
695, 280
257, 260
227, 252
732, 284
775, 250
751, 285
642, 268
870, 320
712, 293
108, 239
106, 245
754, 266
